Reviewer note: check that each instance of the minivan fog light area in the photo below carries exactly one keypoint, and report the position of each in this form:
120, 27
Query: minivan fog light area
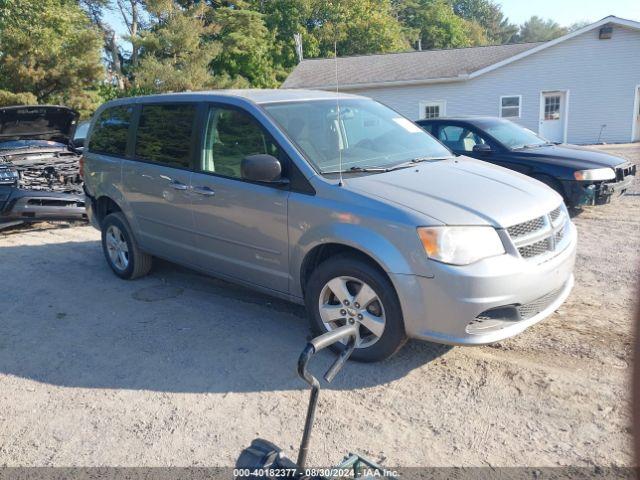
460, 245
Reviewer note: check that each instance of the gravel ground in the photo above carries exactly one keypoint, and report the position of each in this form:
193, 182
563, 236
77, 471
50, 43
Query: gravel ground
182, 370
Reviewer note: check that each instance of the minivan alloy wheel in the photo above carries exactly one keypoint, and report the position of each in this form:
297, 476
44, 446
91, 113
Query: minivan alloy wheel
347, 300
117, 247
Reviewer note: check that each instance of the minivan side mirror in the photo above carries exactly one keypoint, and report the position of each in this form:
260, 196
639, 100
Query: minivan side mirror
261, 168
482, 148
77, 142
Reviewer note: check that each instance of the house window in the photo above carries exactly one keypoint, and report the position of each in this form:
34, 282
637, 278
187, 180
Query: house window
432, 109
552, 107
510, 106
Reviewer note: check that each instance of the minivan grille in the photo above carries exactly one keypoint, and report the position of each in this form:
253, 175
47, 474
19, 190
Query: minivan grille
555, 214
525, 228
534, 249
539, 236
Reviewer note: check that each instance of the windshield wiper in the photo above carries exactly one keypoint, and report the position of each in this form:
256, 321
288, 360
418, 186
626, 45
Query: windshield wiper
358, 170
410, 163
413, 161
368, 169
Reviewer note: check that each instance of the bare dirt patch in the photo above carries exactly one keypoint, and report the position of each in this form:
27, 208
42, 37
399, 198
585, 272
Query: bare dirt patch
179, 369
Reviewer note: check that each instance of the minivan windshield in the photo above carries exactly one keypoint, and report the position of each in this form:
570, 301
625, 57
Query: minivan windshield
366, 134
511, 135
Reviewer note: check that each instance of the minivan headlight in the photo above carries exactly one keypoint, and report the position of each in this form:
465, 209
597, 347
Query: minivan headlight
460, 245
595, 174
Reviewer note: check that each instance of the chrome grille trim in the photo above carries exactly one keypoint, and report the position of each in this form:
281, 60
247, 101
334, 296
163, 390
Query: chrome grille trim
525, 228
534, 249
540, 237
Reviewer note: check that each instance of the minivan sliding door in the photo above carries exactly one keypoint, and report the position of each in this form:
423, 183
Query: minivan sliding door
156, 180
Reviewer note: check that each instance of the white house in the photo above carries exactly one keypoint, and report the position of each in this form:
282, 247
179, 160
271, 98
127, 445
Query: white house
583, 87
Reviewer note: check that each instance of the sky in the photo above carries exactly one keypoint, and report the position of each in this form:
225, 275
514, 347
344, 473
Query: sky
566, 12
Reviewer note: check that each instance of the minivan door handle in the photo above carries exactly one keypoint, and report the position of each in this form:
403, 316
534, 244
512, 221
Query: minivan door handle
176, 185
204, 191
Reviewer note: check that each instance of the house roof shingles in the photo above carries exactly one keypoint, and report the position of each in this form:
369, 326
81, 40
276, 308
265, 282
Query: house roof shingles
400, 67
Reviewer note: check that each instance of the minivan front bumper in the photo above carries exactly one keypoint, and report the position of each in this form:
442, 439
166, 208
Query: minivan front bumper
488, 301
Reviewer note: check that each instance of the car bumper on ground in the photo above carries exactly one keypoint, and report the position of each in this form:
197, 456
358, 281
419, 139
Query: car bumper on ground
488, 301
29, 206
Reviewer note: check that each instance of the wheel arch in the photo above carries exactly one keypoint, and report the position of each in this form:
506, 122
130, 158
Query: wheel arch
104, 205
324, 251
367, 245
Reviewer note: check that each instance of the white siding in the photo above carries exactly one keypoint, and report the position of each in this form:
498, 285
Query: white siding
601, 76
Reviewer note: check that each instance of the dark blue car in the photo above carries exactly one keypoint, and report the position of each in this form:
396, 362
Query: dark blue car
583, 176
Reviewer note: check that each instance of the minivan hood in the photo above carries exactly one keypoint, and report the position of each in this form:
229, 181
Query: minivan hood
461, 191
579, 158
37, 122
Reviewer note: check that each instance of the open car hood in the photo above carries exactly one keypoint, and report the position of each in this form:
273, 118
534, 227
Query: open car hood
37, 122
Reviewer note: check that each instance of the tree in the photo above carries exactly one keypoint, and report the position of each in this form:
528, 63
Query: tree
489, 16
113, 57
538, 30
436, 25
175, 52
287, 18
357, 26
49, 48
246, 44
24, 98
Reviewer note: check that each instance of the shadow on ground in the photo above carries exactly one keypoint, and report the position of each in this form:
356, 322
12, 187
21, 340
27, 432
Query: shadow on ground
69, 321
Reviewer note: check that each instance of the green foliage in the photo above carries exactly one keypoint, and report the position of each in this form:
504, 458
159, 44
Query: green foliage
175, 53
286, 18
24, 98
436, 24
357, 26
244, 57
537, 29
49, 49
488, 15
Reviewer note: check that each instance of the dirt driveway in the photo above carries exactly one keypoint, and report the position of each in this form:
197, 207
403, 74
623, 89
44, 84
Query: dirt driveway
178, 369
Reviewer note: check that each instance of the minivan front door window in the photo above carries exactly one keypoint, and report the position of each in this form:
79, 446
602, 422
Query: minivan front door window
232, 135
364, 134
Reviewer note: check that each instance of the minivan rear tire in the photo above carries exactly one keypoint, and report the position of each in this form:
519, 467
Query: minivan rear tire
115, 232
356, 270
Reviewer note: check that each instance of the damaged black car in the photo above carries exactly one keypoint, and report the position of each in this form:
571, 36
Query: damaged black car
581, 175
39, 165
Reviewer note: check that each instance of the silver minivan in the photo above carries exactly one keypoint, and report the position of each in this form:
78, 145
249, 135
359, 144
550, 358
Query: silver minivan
336, 202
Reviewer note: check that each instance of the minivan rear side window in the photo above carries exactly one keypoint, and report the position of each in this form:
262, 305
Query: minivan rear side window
164, 134
110, 131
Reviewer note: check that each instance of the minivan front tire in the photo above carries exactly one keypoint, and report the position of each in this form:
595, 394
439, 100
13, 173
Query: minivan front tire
347, 289
121, 249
